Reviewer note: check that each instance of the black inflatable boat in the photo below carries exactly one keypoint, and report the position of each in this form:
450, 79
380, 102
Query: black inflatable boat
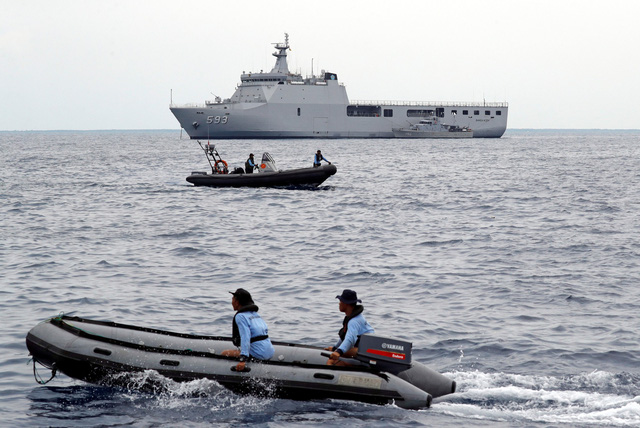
268, 175
102, 352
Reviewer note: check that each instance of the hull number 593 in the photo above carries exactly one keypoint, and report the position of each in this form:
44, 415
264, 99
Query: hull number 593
217, 119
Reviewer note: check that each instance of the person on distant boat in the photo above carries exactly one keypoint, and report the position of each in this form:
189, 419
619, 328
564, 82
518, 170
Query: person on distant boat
353, 326
317, 158
250, 332
250, 164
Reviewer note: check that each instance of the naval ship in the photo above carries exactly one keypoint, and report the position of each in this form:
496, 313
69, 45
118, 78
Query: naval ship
281, 104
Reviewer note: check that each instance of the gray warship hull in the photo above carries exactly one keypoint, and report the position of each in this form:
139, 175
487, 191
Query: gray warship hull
269, 121
280, 104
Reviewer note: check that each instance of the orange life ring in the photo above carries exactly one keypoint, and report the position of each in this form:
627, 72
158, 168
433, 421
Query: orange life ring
221, 169
263, 166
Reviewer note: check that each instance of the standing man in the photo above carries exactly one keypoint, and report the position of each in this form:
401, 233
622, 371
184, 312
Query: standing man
250, 164
250, 332
317, 158
353, 326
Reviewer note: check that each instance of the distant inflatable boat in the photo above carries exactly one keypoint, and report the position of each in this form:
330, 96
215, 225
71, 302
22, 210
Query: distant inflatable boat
268, 174
302, 177
101, 352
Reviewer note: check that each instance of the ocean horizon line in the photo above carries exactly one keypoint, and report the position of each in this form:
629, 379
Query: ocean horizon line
178, 130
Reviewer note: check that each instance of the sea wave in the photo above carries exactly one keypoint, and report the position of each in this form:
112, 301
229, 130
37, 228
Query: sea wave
511, 264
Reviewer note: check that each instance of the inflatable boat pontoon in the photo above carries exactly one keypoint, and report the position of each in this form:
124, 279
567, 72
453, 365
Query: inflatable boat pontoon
101, 351
268, 174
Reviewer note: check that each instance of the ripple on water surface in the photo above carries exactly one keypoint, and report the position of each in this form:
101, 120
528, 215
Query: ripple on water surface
511, 264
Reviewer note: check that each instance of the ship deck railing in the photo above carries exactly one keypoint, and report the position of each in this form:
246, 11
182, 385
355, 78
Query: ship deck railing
428, 103
373, 103
199, 105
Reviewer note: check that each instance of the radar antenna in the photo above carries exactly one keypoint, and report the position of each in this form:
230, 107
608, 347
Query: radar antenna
284, 45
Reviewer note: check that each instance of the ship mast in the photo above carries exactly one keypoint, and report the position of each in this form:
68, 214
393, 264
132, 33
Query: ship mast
281, 55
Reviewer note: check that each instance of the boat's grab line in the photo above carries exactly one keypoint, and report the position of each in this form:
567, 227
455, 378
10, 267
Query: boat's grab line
37, 377
60, 322
230, 381
63, 317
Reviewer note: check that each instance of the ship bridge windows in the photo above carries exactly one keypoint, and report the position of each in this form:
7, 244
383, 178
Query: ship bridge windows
487, 112
498, 112
363, 111
465, 112
476, 112
440, 112
420, 113
257, 79
388, 112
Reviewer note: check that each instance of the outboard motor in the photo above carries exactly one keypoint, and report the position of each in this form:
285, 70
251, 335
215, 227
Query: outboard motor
267, 164
389, 355
394, 356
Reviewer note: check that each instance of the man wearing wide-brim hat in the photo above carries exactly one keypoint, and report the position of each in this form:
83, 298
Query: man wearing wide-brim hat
250, 332
353, 326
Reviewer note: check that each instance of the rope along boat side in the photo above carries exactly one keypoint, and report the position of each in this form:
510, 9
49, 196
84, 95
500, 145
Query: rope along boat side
105, 352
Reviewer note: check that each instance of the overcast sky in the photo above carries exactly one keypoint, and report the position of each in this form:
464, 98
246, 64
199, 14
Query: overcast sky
112, 64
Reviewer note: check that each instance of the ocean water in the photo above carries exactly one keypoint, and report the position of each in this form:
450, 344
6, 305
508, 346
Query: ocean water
512, 265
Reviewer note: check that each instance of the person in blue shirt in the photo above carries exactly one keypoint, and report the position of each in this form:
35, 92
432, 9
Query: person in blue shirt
250, 332
250, 164
353, 326
317, 158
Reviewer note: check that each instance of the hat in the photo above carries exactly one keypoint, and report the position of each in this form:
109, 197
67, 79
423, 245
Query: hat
349, 297
242, 296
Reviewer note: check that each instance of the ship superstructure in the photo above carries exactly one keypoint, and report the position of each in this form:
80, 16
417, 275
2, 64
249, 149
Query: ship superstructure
281, 104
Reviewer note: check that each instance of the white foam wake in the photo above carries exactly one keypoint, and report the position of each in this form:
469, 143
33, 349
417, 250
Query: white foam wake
597, 398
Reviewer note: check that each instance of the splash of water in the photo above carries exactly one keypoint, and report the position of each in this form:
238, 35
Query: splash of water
594, 398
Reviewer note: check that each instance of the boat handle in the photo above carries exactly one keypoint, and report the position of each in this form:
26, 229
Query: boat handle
246, 369
323, 376
102, 351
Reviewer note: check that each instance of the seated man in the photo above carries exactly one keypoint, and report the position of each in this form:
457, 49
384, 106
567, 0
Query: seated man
250, 332
318, 158
353, 326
